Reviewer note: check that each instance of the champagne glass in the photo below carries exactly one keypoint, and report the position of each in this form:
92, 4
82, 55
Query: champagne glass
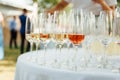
29, 32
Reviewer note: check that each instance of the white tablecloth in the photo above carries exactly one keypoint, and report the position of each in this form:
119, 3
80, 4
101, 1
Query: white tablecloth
27, 69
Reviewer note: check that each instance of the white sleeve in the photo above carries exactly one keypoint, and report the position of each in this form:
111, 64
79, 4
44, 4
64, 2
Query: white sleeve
111, 2
69, 1
1, 17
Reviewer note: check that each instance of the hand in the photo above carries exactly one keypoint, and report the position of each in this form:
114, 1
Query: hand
98, 1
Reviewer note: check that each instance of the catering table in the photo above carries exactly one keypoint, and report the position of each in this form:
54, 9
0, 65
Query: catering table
30, 67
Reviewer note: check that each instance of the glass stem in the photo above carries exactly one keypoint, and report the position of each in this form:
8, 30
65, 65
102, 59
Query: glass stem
60, 47
68, 46
31, 45
75, 56
76, 49
104, 57
45, 46
37, 47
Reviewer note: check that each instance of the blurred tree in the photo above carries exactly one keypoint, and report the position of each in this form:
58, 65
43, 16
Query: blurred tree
34, 0
46, 4
118, 0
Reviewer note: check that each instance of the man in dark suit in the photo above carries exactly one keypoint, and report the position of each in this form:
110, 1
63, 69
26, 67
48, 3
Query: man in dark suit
23, 18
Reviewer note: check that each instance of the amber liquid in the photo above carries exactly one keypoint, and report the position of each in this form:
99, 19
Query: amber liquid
60, 37
76, 39
29, 37
44, 37
65, 36
35, 37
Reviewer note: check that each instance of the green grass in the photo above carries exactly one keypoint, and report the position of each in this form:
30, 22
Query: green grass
8, 64
11, 56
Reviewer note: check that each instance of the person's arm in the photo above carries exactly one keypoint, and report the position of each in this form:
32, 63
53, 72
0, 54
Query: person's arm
59, 6
104, 5
112, 7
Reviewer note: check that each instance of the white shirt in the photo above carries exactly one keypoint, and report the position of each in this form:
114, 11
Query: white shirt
89, 5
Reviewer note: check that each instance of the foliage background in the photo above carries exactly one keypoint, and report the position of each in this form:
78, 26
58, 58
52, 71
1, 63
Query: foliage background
118, 0
47, 4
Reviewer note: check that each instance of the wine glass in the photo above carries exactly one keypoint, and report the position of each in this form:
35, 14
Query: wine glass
116, 26
45, 31
76, 31
45, 28
76, 35
29, 32
105, 18
36, 31
59, 32
89, 27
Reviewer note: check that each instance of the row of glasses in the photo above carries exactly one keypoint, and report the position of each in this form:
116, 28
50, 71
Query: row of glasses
75, 27
46, 27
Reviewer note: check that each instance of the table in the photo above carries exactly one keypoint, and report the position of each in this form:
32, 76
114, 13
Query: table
28, 69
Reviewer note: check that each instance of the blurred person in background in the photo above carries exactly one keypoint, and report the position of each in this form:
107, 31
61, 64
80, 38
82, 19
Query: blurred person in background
1, 37
89, 5
23, 18
13, 32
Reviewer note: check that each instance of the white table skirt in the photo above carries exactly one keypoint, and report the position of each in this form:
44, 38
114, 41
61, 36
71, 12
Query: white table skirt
29, 70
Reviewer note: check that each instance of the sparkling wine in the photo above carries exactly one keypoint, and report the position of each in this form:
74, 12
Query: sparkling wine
33, 37
52, 35
36, 37
59, 37
76, 39
29, 37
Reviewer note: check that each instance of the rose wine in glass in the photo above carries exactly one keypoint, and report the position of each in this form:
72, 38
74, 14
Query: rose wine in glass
75, 31
76, 39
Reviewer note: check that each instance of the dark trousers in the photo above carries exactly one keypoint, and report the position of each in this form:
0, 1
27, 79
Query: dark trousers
23, 44
13, 34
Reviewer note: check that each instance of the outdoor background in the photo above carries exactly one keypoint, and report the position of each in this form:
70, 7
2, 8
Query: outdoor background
7, 65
